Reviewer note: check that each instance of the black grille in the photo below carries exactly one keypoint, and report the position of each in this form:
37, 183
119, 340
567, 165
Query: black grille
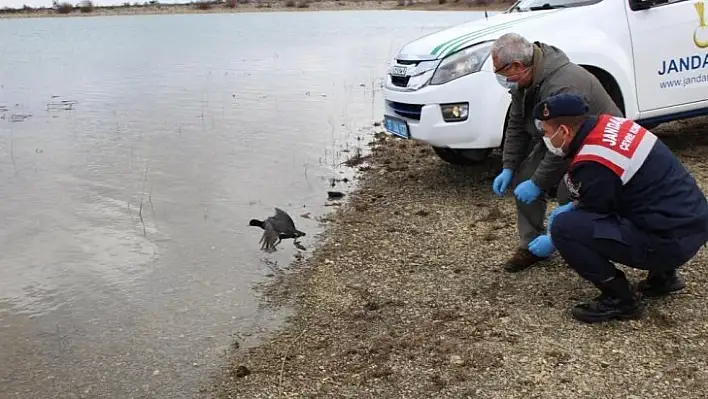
411, 111
400, 81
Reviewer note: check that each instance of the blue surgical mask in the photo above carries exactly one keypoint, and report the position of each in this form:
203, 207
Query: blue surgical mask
504, 82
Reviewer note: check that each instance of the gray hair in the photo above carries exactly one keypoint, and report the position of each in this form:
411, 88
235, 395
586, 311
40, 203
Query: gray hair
512, 47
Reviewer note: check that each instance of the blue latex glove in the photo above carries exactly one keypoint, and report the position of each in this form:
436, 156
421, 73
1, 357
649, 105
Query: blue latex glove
501, 182
527, 192
565, 208
542, 246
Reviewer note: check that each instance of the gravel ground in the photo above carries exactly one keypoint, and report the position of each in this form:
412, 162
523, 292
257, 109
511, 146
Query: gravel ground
406, 298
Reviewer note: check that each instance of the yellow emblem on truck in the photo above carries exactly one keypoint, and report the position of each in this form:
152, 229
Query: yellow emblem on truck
700, 35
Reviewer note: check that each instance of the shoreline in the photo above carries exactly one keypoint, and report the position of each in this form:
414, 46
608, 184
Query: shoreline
405, 296
274, 6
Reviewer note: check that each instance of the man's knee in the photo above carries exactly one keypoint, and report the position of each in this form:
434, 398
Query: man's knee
575, 225
572, 235
561, 226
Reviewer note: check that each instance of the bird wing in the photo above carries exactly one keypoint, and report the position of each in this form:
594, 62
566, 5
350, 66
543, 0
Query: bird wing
283, 222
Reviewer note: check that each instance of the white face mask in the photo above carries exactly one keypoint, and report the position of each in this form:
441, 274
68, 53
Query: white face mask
558, 151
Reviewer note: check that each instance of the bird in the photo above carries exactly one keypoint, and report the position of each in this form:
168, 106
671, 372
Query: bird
277, 227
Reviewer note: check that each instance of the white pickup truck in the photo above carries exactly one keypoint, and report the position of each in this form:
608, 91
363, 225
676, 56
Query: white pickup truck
651, 56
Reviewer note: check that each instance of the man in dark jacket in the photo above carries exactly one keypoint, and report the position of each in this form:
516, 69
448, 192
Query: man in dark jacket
634, 203
532, 72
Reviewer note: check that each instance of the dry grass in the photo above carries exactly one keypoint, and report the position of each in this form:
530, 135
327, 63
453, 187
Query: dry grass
406, 298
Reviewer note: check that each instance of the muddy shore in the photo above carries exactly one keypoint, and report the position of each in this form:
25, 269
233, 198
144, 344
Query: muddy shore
405, 297
255, 6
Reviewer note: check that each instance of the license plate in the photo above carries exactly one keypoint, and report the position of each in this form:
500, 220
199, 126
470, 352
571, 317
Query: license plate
398, 71
397, 127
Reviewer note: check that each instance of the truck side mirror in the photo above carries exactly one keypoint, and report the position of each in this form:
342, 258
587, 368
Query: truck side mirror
637, 5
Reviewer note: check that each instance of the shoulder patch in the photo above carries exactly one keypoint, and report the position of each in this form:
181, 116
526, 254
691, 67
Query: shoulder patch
573, 189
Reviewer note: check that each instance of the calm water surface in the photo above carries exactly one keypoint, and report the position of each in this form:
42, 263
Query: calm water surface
133, 151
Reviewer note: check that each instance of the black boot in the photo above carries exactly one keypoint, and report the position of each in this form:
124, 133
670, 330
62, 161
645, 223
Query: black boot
617, 301
661, 283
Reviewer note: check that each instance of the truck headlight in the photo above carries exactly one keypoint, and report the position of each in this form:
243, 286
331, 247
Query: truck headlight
461, 63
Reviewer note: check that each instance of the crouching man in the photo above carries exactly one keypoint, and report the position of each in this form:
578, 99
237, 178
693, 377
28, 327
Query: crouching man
634, 203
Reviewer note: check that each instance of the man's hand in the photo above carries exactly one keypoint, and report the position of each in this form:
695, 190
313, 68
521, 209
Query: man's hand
501, 182
527, 192
542, 246
565, 208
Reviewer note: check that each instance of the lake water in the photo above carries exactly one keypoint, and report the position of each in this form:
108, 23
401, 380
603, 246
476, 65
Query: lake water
133, 152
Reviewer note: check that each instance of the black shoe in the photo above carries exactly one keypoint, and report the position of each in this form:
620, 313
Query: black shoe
663, 283
617, 302
522, 259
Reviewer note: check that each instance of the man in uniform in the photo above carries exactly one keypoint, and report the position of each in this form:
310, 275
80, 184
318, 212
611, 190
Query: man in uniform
633, 203
531, 72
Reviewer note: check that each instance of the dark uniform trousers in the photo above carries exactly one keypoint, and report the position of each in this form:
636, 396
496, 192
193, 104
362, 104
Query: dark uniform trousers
589, 242
663, 217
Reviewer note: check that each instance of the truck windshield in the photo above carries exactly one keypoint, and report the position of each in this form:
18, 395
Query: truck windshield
536, 5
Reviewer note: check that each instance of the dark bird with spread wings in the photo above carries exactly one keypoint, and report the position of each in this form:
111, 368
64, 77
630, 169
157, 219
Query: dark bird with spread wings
276, 228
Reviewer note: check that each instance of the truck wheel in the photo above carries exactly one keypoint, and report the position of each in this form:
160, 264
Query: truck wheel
462, 157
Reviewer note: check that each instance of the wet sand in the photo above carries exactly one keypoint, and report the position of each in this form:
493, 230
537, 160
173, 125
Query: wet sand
271, 6
406, 298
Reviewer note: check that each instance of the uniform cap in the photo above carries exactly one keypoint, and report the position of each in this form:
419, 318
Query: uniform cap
563, 104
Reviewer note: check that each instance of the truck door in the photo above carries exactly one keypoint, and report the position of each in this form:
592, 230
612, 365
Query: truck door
670, 47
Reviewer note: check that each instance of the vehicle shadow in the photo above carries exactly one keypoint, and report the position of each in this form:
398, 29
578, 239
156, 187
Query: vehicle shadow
684, 137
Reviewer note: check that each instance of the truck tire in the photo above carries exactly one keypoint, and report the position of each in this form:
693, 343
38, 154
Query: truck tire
462, 157
468, 157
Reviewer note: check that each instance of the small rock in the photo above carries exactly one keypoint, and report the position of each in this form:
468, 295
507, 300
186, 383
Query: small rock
456, 360
422, 212
156, 372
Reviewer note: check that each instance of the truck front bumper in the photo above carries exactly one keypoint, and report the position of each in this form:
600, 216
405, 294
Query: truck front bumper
483, 128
